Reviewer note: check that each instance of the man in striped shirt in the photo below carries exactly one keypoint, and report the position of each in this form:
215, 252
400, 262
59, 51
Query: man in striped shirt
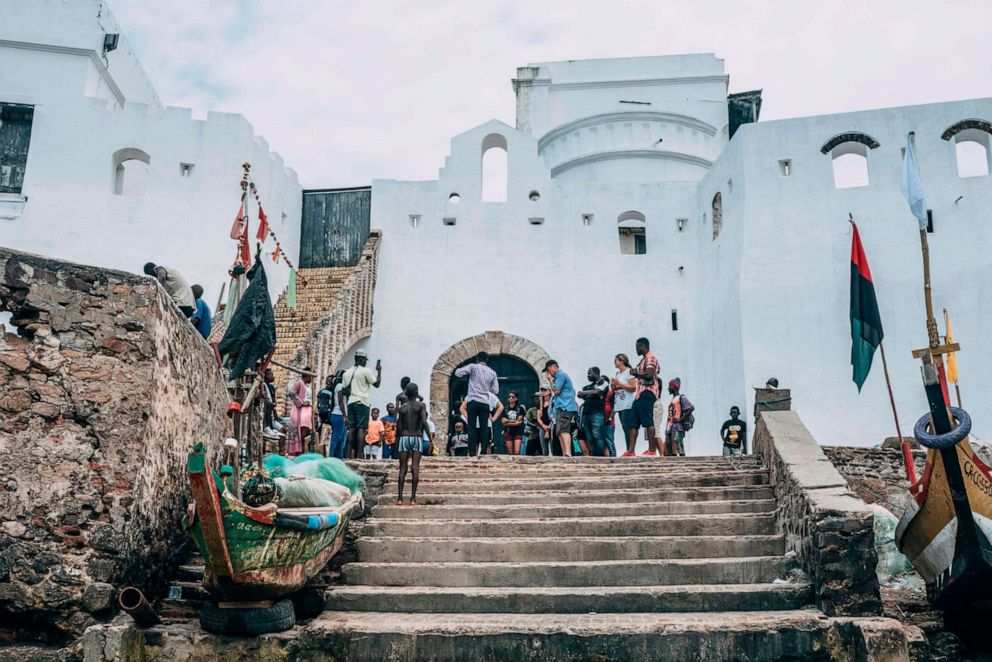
481, 383
646, 373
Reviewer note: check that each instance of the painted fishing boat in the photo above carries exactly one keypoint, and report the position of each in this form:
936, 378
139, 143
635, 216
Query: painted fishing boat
262, 553
946, 530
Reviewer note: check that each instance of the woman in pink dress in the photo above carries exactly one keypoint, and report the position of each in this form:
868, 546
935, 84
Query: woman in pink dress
301, 418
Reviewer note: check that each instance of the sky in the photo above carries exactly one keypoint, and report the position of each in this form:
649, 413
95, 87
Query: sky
351, 91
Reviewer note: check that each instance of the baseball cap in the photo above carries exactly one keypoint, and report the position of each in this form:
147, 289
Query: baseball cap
361, 353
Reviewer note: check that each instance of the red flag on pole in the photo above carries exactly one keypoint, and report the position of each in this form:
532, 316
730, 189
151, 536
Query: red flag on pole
275, 254
263, 225
245, 248
239, 223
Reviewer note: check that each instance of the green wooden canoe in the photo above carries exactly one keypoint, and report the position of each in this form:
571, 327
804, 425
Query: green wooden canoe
259, 553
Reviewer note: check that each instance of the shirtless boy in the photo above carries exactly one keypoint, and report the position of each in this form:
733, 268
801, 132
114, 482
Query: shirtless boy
411, 423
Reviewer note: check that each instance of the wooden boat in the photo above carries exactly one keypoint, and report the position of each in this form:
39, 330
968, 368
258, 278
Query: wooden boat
946, 531
260, 553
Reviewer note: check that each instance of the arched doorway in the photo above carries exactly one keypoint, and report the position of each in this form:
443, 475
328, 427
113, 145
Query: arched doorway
514, 375
497, 344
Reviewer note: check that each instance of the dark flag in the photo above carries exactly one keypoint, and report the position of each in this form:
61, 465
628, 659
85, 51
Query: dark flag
866, 323
251, 333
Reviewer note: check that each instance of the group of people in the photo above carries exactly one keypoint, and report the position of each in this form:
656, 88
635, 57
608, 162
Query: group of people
565, 421
188, 299
560, 421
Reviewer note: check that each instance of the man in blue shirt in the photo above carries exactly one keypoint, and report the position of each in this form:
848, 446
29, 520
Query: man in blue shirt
563, 404
201, 318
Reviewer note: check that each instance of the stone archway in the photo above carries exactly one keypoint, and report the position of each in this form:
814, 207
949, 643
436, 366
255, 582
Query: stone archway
492, 342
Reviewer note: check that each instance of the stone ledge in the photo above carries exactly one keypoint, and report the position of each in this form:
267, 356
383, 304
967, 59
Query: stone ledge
830, 529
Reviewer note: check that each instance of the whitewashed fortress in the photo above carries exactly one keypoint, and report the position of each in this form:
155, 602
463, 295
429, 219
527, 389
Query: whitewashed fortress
636, 198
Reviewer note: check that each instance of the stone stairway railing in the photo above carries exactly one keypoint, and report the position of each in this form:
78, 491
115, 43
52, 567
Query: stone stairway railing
335, 308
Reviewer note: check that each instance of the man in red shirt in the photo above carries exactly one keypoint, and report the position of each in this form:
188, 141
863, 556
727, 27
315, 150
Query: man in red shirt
647, 393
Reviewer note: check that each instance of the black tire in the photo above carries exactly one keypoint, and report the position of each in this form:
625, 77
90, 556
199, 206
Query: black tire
308, 603
947, 440
248, 622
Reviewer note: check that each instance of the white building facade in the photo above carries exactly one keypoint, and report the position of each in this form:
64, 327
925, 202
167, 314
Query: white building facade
108, 175
630, 212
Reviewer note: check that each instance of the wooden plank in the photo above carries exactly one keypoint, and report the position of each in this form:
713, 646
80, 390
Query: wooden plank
209, 512
941, 349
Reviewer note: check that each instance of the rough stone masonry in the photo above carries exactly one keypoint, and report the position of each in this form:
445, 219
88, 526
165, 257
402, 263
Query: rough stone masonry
103, 391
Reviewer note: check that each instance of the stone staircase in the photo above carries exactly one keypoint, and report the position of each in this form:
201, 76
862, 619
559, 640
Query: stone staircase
548, 558
333, 311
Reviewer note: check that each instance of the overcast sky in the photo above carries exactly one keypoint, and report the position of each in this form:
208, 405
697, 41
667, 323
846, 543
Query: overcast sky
351, 91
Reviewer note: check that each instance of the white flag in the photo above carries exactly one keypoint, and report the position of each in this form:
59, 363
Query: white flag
912, 187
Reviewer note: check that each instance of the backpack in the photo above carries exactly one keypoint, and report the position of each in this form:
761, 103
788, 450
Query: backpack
688, 420
346, 388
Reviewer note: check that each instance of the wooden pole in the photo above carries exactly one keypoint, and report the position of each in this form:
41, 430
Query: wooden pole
907, 452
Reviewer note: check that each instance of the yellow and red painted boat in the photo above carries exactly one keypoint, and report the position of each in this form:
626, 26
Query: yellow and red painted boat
261, 553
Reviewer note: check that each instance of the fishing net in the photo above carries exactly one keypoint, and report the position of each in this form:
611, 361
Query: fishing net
314, 465
275, 465
332, 469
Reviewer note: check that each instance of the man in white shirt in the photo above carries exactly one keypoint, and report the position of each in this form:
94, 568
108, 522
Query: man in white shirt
358, 382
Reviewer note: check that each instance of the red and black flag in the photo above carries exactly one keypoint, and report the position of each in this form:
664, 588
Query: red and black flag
866, 323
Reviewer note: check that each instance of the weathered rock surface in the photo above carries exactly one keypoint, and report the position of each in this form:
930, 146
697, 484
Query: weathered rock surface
102, 393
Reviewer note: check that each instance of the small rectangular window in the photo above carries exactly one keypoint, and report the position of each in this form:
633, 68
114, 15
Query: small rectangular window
414, 220
15, 136
448, 220
284, 218
785, 167
536, 221
675, 319
587, 219
680, 223
185, 169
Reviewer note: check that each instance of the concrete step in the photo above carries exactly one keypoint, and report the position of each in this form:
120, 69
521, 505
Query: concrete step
602, 497
654, 525
662, 481
571, 600
750, 570
580, 468
687, 637
531, 460
573, 548
540, 510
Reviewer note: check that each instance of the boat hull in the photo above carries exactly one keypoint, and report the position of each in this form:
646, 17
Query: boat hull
259, 553
946, 532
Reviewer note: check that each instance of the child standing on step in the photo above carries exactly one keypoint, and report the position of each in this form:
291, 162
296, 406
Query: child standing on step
375, 437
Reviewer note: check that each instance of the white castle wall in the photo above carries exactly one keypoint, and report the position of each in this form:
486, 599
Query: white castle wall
768, 297
68, 207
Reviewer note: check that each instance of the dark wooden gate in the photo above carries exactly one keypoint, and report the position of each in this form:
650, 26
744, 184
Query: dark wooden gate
335, 226
513, 374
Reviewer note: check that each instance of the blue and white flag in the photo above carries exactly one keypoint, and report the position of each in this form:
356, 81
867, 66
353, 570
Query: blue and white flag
912, 187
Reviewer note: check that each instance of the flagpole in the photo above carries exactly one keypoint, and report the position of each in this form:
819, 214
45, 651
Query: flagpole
907, 453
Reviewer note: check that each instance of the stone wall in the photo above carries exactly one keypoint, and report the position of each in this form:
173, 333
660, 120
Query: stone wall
102, 392
876, 475
829, 528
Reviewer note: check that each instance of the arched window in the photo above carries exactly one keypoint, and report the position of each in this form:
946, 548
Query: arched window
632, 229
494, 168
972, 149
130, 171
717, 208
850, 165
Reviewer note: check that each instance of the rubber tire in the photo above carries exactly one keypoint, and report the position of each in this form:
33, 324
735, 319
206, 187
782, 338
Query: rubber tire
248, 622
948, 439
308, 603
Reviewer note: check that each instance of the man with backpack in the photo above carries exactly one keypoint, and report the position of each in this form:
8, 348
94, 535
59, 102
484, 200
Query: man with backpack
357, 384
680, 419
